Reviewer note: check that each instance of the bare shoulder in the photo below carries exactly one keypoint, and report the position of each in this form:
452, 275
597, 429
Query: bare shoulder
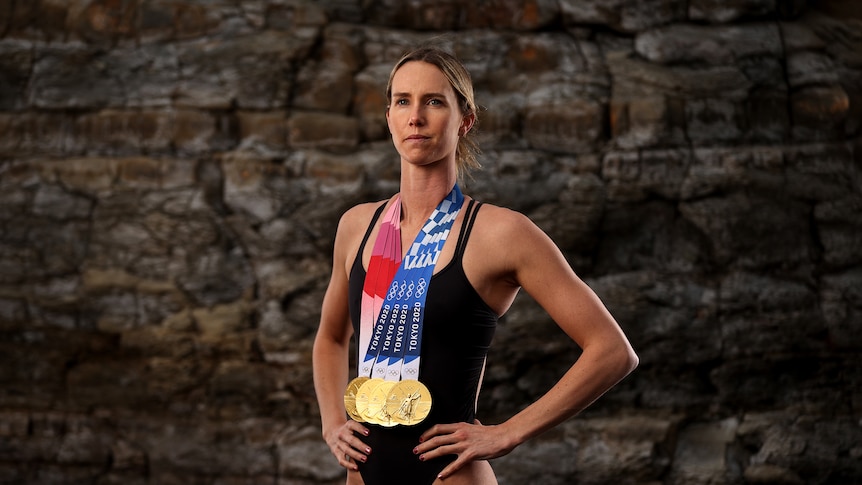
356, 219
503, 224
351, 228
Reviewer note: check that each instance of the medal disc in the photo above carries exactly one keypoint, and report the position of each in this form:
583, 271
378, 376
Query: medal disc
409, 402
377, 412
363, 395
350, 398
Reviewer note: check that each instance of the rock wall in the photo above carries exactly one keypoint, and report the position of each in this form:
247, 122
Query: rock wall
171, 173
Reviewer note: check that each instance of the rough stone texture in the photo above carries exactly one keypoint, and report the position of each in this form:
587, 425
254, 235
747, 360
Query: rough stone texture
172, 172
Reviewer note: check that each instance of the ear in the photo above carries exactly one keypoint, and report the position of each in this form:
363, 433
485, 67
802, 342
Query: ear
466, 124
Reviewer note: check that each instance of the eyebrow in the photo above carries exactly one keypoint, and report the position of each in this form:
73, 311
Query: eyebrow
426, 95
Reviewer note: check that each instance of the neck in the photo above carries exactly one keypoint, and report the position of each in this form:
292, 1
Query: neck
422, 191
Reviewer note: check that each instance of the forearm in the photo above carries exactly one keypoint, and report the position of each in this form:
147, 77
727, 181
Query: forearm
595, 372
330, 363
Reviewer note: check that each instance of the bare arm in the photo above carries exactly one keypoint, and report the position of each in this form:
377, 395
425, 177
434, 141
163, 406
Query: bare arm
331, 356
525, 256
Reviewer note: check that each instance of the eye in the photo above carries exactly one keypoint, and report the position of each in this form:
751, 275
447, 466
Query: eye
401, 102
435, 102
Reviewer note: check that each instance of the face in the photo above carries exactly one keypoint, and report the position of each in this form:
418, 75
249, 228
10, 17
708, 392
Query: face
424, 117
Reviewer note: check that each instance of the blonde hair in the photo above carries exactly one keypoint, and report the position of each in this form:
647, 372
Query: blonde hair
467, 152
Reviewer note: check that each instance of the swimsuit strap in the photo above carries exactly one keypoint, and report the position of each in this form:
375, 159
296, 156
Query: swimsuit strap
371, 226
467, 227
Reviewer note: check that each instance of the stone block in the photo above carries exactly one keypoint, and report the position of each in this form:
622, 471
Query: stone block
246, 71
499, 121
73, 76
753, 231
632, 177
623, 16
370, 103
634, 77
263, 132
195, 131
819, 113
245, 181
564, 125
171, 20
176, 453
222, 319
820, 172
296, 14
798, 36
510, 15
16, 62
327, 83
61, 246
107, 383
646, 121
84, 445
718, 170
761, 315
29, 134
302, 455
714, 120
53, 202
254, 380
419, 15
574, 222
35, 21
767, 119
841, 301
718, 11
115, 132
148, 73
712, 45
105, 22
324, 87
92, 176
335, 133
839, 230
700, 457
810, 68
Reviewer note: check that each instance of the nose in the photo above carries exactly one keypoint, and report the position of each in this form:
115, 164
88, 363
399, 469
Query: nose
416, 117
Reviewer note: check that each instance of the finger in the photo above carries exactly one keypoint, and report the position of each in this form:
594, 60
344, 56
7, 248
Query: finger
452, 468
345, 461
439, 449
357, 428
437, 430
355, 448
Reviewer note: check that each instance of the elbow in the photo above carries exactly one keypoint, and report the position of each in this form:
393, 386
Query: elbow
632, 360
626, 360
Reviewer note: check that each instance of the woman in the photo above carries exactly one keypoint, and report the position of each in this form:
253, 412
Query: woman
489, 254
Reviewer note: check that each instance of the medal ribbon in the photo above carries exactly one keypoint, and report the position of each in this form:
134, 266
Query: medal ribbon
395, 345
385, 259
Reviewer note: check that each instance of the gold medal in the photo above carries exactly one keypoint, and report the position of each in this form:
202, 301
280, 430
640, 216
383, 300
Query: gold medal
350, 398
409, 402
377, 411
363, 395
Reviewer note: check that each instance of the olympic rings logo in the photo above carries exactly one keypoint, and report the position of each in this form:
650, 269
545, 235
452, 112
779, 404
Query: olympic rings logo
420, 289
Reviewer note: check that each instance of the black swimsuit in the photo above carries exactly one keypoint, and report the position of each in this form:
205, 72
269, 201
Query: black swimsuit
457, 332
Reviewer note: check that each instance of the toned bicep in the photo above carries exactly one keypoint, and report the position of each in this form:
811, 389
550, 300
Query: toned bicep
543, 272
334, 314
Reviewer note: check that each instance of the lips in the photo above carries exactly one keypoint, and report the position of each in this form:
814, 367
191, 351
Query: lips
417, 137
